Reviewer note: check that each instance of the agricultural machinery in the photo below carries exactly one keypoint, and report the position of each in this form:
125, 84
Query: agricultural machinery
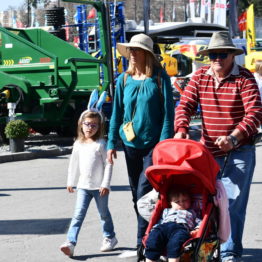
46, 81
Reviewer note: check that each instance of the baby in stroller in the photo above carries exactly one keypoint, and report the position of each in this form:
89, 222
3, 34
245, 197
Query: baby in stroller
174, 227
180, 163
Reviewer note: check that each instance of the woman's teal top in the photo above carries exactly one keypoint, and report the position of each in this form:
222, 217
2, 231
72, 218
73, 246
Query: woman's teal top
154, 114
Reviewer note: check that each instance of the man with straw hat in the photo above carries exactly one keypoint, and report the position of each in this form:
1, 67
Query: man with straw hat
231, 112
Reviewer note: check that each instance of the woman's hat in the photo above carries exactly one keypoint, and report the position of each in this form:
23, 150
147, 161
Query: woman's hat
140, 40
221, 40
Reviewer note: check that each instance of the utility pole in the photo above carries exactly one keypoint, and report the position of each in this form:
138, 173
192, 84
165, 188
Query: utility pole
146, 16
28, 13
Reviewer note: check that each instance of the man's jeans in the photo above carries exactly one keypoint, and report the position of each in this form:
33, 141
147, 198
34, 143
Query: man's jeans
237, 178
84, 198
137, 161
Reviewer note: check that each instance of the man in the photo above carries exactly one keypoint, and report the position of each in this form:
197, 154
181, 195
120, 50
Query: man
231, 113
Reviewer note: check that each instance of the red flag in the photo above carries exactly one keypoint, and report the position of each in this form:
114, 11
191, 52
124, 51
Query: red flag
161, 15
242, 21
67, 31
19, 24
92, 13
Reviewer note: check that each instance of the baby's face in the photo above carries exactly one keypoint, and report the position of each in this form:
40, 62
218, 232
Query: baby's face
181, 203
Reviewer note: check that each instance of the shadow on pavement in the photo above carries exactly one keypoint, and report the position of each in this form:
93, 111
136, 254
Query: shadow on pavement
120, 188
32, 188
1, 195
113, 188
34, 226
252, 255
116, 253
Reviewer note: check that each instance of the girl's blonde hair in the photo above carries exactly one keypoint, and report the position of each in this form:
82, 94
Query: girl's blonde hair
151, 63
92, 115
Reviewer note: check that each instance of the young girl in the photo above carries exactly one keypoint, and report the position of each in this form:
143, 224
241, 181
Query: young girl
89, 157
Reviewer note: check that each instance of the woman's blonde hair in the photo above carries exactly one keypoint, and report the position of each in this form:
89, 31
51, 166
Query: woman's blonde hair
151, 63
258, 67
92, 115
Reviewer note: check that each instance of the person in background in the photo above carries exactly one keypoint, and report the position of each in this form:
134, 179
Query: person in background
258, 75
89, 158
143, 115
231, 113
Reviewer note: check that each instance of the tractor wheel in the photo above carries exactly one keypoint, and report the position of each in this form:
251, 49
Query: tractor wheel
3, 138
43, 130
68, 130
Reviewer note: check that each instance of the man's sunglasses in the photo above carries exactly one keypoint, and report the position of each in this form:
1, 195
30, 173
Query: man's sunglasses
213, 56
134, 49
90, 125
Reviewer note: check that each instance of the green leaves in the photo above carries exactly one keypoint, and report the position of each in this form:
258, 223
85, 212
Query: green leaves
17, 129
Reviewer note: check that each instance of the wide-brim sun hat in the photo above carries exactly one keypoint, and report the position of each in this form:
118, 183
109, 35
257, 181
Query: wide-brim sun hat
140, 40
221, 40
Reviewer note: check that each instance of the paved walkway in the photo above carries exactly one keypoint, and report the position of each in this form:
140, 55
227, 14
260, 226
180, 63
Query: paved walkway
36, 211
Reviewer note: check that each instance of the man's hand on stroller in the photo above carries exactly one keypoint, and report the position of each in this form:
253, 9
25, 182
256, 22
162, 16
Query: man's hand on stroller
181, 135
224, 143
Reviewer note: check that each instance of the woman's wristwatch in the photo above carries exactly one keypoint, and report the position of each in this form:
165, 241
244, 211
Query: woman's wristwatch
233, 140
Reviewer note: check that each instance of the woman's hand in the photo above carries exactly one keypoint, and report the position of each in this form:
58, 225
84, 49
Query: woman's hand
111, 153
70, 189
103, 191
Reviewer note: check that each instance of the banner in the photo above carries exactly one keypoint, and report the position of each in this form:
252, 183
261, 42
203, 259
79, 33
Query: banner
251, 33
192, 8
161, 15
209, 11
242, 21
203, 9
220, 12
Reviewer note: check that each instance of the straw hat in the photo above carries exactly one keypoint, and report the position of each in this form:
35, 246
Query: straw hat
221, 40
140, 40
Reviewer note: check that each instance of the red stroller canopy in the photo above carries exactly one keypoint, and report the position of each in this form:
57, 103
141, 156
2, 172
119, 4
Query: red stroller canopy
185, 162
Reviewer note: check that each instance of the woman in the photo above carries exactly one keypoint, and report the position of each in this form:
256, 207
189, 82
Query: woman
143, 96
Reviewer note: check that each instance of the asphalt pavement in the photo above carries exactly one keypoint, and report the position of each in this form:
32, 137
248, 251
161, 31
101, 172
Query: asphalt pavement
36, 211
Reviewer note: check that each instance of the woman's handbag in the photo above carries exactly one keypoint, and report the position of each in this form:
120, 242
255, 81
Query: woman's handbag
129, 131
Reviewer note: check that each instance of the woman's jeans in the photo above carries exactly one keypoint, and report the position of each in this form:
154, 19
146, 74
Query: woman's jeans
84, 198
137, 161
237, 178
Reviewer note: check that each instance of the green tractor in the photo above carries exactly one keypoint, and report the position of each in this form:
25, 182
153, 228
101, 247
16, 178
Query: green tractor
46, 81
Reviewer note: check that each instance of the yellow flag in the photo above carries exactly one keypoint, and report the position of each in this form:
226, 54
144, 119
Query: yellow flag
251, 33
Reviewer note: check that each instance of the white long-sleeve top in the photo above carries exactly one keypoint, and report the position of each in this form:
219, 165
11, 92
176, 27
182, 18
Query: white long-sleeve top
88, 160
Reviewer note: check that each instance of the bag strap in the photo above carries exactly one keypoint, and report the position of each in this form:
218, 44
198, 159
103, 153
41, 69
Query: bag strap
159, 85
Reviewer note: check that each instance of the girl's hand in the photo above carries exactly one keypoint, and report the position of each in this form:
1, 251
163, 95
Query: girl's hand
111, 153
103, 191
70, 189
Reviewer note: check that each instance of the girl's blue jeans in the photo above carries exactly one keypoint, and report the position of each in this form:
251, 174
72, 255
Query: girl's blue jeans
137, 161
237, 179
84, 198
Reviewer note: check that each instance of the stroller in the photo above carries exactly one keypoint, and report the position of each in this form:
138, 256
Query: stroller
189, 164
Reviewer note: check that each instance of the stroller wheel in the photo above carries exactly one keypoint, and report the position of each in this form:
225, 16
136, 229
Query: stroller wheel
141, 253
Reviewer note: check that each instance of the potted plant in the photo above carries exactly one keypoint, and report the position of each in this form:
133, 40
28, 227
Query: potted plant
17, 131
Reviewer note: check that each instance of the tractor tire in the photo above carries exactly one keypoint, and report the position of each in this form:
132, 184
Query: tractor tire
3, 138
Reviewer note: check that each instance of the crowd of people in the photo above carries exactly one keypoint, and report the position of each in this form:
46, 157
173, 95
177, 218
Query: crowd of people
143, 115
